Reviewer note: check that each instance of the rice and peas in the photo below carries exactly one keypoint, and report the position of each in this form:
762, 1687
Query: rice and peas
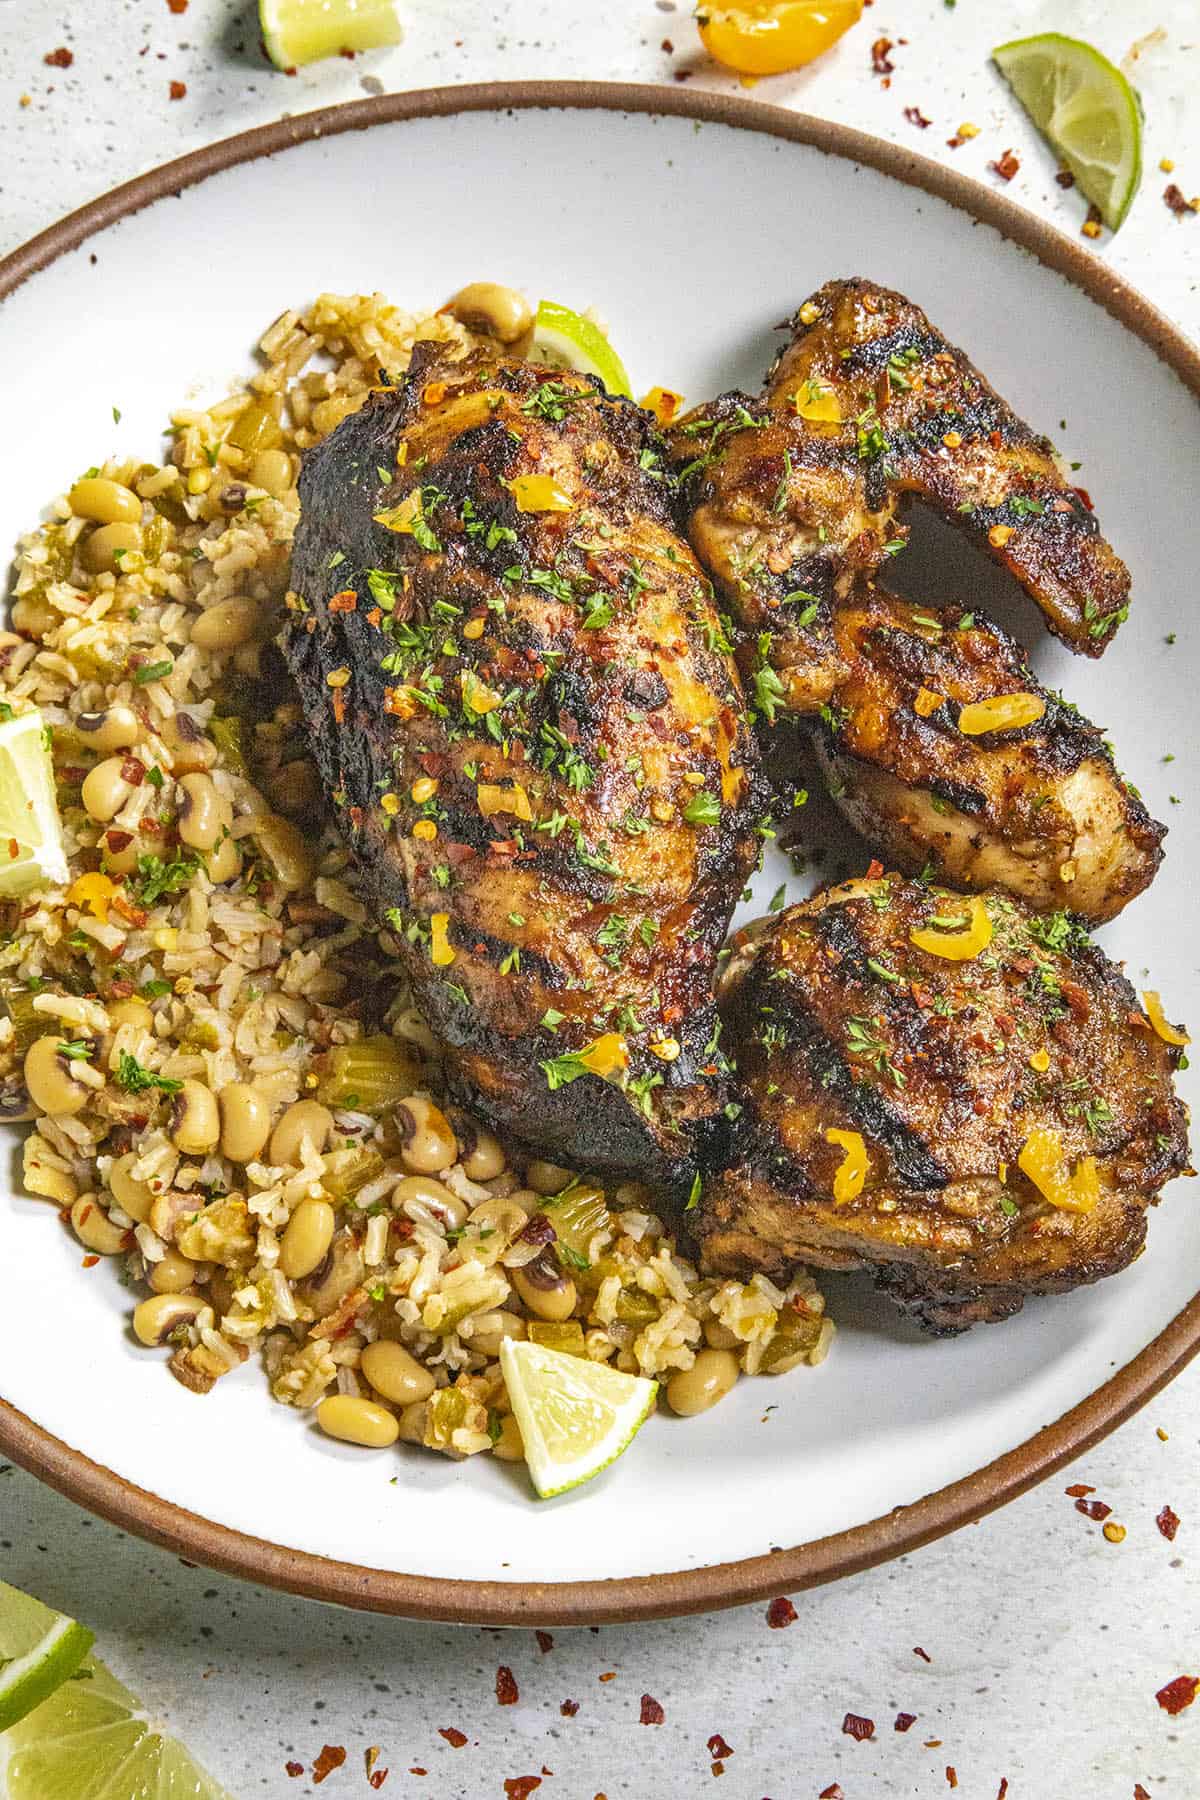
237, 1095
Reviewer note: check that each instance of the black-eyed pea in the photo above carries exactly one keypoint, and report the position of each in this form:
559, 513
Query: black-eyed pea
229, 624
116, 728
710, 1378
105, 501
489, 1331
195, 1121
172, 1274
49, 1082
395, 1374
108, 549
357, 1421
202, 813
105, 790
304, 1119
508, 1445
420, 1197
718, 1336
306, 1239
547, 1177
492, 310
225, 861
95, 1230
191, 749
546, 1289
480, 1150
412, 1422
427, 1141
245, 1121
286, 849
156, 1319
131, 1011
132, 1196
34, 617
272, 470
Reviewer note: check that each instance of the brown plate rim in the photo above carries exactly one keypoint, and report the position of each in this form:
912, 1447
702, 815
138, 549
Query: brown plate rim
906, 1528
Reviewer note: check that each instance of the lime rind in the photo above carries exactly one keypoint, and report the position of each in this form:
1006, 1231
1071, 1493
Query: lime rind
573, 341
1085, 109
576, 1417
28, 1680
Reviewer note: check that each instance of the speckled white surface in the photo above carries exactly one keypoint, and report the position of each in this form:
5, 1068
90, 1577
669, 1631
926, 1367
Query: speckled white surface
1047, 1642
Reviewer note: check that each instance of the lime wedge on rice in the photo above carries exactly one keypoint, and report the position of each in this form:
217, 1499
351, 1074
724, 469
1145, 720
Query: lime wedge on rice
82, 1736
31, 851
569, 340
1085, 109
302, 31
39, 1650
575, 1416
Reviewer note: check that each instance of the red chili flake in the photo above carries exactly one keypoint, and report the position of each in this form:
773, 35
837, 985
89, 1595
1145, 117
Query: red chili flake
781, 1612
178, 7
568, 1708
344, 602
1093, 1509
717, 1746
294, 1769
1168, 1523
178, 89
1065, 179
118, 840
89, 1262
609, 1675
1078, 1489
881, 62
453, 1735
874, 870
652, 1713
904, 1721
951, 1775
916, 117
377, 1777
507, 1692
667, 47
517, 1787
1005, 166
332, 1757
1003, 1788
1178, 1693
1178, 202
133, 771
62, 58
1139, 1792
545, 1642
418, 1771
855, 1726
832, 1792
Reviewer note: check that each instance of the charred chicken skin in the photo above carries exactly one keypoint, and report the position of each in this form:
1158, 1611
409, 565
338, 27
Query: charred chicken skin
955, 1094
940, 747
522, 703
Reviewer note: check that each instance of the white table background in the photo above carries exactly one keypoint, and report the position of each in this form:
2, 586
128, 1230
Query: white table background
1047, 1643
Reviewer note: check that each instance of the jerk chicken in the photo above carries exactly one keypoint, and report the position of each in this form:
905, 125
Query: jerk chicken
958, 1095
521, 701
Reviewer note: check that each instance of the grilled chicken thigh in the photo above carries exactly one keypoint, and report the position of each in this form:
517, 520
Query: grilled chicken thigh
972, 1114
941, 748
521, 701
794, 496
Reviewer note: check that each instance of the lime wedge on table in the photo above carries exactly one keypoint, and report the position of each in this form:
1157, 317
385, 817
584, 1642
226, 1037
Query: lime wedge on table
1085, 109
39, 1649
572, 341
31, 851
303, 31
575, 1416
85, 1738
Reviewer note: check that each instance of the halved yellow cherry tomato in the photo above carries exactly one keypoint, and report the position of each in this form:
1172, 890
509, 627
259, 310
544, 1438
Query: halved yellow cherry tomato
766, 37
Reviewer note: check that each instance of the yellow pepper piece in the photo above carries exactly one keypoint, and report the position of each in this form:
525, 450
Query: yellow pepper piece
607, 1055
1040, 1061
664, 403
1000, 712
1170, 1034
957, 939
766, 37
1042, 1160
440, 950
401, 453
477, 694
404, 515
425, 830
817, 402
539, 494
93, 891
852, 1170
491, 798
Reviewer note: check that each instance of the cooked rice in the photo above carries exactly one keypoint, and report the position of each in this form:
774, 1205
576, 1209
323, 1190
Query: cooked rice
252, 980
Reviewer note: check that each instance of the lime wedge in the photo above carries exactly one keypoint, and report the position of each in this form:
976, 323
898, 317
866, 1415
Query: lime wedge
1087, 112
39, 1650
302, 31
85, 1737
575, 1416
571, 341
31, 851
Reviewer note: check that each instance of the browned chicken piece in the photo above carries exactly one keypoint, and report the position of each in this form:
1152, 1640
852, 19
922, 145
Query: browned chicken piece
940, 747
794, 496
956, 1094
521, 701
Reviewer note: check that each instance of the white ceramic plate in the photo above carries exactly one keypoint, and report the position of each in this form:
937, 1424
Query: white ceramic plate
693, 233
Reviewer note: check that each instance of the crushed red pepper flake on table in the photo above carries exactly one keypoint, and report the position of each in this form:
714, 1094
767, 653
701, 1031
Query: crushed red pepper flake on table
916, 117
377, 1777
1005, 165
881, 62
855, 1726
568, 1708
904, 1721
507, 1691
545, 1642
418, 1771
923, 1654
178, 7
1065, 179
1114, 1533
1178, 1694
832, 1792
781, 1612
177, 90
1178, 202
62, 58
1078, 1489
293, 1769
718, 1747
609, 1675
651, 1713
1093, 1509
332, 1757
517, 1787
1168, 1523
1139, 1792
951, 1775
453, 1736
